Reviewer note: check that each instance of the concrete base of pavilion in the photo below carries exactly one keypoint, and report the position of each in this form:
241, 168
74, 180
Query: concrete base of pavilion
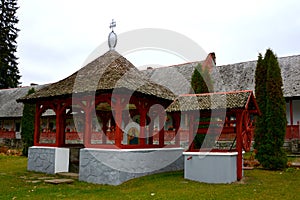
211, 167
48, 160
115, 166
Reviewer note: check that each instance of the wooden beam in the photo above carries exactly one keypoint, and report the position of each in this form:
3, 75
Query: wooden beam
291, 112
37, 125
239, 146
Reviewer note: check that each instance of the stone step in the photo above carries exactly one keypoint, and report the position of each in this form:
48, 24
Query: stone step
59, 181
295, 164
69, 174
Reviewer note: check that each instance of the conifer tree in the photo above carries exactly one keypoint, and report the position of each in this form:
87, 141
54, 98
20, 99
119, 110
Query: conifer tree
27, 132
260, 94
198, 82
271, 138
9, 72
201, 83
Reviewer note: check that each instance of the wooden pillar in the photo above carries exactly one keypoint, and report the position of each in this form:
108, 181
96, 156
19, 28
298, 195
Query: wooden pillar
88, 107
118, 130
191, 130
176, 125
37, 123
60, 128
58, 138
239, 146
151, 129
142, 137
104, 119
291, 112
161, 134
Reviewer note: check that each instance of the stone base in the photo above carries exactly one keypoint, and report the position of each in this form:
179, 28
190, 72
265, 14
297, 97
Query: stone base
49, 160
113, 167
210, 167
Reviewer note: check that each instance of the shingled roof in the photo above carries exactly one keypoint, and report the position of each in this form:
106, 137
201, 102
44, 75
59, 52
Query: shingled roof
107, 72
232, 77
211, 101
241, 76
176, 77
8, 104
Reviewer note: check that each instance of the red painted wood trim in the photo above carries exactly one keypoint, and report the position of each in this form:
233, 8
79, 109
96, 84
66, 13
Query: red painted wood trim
176, 125
191, 131
142, 137
291, 112
161, 133
37, 125
239, 145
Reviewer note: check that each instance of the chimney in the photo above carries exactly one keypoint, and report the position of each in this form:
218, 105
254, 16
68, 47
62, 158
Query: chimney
213, 56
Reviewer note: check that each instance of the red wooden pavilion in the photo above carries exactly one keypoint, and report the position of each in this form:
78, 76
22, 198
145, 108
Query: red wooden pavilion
108, 93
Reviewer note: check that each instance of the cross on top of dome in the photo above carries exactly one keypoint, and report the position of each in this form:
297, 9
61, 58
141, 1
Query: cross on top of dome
112, 37
112, 25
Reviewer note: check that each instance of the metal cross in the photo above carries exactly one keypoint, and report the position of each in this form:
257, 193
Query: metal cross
112, 24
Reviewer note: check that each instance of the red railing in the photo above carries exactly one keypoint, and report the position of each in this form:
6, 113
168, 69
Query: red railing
8, 134
292, 132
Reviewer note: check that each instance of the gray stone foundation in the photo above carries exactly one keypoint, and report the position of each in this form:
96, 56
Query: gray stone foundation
113, 167
210, 167
49, 160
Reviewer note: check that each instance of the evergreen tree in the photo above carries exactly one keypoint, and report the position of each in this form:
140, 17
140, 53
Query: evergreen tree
9, 72
201, 83
269, 147
260, 94
27, 132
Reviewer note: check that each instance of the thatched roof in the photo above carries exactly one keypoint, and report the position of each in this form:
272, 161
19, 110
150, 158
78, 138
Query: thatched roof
8, 104
211, 101
232, 77
106, 73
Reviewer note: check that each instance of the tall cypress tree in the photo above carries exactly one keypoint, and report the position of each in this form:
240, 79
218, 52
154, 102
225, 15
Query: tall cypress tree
27, 132
9, 72
271, 139
201, 83
260, 94
201, 80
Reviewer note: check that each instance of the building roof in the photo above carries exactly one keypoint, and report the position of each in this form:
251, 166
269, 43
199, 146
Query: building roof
213, 101
241, 76
176, 77
8, 105
232, 77
107, 72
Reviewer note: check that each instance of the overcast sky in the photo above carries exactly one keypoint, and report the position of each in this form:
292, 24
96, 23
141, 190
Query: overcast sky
58, 35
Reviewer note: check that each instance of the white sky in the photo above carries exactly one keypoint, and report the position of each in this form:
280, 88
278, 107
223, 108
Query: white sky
58, 35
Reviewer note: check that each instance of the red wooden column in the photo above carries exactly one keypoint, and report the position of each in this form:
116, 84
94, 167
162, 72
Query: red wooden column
176, 124
118, 107
60, 122
291, 112
88, 107
142, 137
151, 128
161, 133
191, 130
104, 118
37, 125
239, 146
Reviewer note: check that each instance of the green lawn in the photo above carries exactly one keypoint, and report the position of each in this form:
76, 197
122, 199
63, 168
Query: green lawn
17, 183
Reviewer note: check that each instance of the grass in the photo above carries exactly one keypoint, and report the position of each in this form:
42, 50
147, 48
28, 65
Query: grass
17, 183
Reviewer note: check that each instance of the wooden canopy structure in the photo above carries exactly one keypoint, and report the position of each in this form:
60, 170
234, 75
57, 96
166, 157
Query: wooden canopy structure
227, 113
97, 104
